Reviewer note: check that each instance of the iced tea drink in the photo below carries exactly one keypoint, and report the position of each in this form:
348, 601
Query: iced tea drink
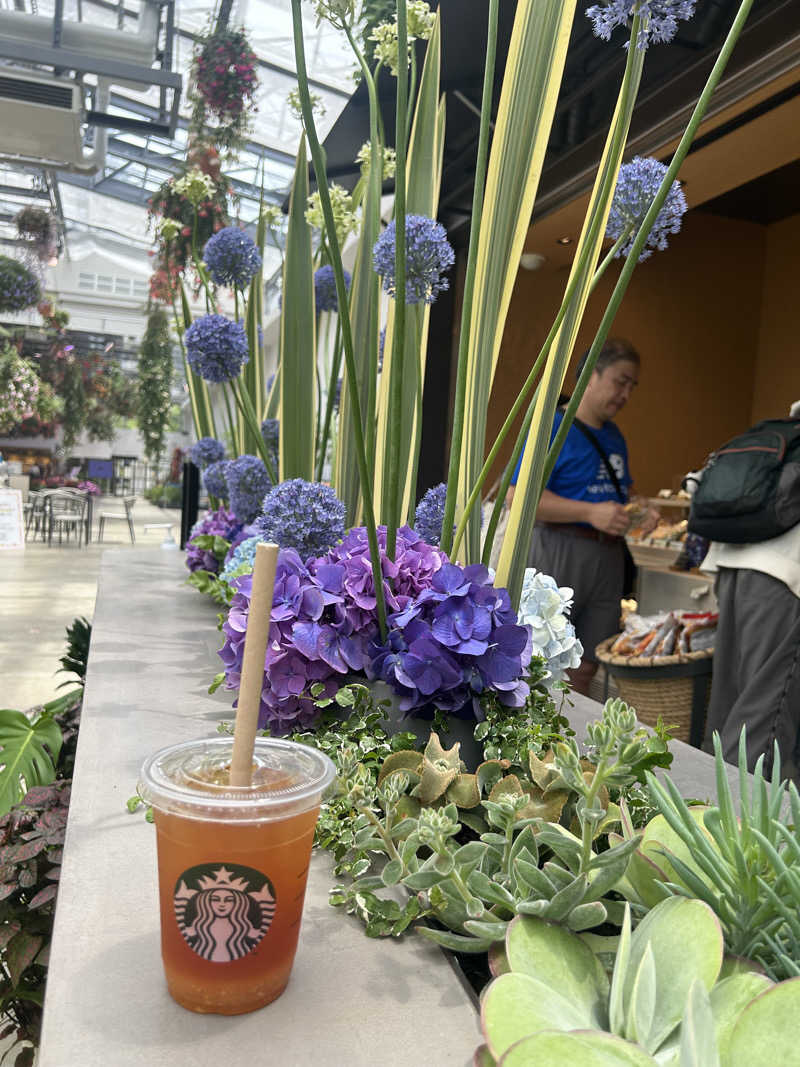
233, 864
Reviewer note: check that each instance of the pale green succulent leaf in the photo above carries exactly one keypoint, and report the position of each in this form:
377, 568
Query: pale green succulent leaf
581, 1049
558, 957
686, 941
768, 1031
642, 1001
517, 1005
698, 1040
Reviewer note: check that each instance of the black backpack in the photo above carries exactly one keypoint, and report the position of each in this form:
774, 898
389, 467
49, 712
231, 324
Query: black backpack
750, 489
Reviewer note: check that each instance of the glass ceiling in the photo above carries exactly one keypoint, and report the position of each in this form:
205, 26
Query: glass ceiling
111, 204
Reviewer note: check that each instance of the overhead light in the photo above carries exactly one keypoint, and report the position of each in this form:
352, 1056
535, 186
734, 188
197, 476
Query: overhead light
532, 260
564, 241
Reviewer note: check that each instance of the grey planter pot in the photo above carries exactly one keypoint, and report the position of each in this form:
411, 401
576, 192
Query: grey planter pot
460, 730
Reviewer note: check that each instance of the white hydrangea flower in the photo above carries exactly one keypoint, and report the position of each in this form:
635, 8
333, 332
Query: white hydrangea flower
544, 608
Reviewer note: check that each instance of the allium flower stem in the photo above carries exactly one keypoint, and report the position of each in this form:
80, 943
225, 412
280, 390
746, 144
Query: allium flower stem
395, 420
372, 204
347, 336
610, 255
644, 230
245, 404
481, 163
198, 266
336, 366
201, 413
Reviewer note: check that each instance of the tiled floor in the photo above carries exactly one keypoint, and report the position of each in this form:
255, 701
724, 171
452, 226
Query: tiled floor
42, 589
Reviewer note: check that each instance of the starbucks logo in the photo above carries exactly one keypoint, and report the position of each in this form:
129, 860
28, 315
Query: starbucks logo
223, 910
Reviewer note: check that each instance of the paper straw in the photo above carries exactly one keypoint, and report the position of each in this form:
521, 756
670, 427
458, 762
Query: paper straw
255, 648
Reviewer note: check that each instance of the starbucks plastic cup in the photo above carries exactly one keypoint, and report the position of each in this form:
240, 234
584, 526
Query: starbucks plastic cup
233, 864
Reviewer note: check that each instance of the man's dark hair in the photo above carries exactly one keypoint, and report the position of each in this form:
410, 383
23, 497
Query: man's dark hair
615, 350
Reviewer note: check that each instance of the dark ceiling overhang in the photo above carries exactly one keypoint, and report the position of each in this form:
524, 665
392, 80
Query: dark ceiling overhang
674, 75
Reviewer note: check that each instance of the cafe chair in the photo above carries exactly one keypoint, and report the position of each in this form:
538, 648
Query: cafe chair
127, 516
65, 512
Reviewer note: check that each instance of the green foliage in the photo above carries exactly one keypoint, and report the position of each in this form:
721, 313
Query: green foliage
165, 496
31, 840
671, 1001
746, 868
155, 377
76, 657
29, 750
528, 839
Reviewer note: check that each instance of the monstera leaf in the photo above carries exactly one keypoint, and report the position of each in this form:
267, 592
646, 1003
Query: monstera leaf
28, 754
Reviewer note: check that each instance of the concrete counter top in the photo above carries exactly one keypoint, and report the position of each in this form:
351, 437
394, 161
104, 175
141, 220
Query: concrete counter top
351, 1000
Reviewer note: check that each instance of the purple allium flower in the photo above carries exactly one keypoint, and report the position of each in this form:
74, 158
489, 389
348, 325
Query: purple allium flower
248, 481
305, 516
232, 257
215, 479
19, 287
206, 451
428, 256
325, 288
429, 515
270, 431
214, 524
216, 348
456, 639
660, 18
637, 185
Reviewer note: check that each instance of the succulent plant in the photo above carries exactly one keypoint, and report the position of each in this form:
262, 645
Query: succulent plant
540, 835
745, 867
672, 1000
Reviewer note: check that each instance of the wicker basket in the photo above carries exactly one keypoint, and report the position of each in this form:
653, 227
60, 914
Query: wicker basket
676, 688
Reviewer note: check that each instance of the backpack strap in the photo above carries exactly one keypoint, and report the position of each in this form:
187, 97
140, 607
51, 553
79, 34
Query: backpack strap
587, 433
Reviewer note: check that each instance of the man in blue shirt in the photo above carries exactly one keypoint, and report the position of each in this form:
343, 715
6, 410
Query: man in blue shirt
582, 519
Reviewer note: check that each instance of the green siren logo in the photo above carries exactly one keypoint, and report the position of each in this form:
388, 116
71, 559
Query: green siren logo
223, 910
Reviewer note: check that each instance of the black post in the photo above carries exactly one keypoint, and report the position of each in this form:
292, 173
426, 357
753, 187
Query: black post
189, 500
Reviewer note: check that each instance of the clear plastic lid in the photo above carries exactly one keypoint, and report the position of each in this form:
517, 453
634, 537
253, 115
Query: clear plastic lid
190, 779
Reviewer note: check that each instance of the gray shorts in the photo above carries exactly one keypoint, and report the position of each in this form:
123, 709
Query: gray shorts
594, 570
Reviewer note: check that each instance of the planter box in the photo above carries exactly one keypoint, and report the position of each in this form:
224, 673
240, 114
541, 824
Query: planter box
351, 1000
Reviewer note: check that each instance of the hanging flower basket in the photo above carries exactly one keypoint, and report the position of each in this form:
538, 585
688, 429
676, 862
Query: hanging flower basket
19, 288
225, 81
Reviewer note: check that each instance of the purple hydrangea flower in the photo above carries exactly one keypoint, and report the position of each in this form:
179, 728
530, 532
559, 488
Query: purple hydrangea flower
219, 523
305, 516
637, 185
325, 295
323, 619
456, 639
429, 515
206, 451
428, 256
216, 348
232, 257
19, 287
248, 481
215, 479
660, 18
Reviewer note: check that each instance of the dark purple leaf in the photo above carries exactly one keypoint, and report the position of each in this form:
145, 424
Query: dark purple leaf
20, 954
44, 896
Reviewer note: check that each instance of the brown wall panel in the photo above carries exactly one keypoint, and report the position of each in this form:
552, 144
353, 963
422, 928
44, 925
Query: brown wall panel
777, 378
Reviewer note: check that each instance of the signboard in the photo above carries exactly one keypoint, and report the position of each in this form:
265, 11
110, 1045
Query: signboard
101, 468
12, 528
